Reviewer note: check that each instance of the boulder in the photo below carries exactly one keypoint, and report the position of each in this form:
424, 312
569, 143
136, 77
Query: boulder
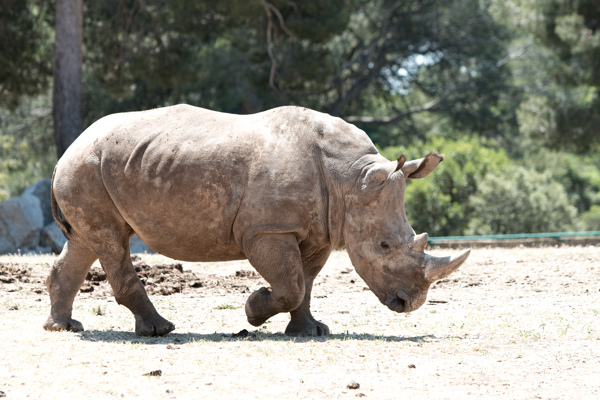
21, 221
53, 238
27, 224
41, 190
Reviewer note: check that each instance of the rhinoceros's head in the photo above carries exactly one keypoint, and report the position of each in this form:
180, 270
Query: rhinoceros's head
383, 247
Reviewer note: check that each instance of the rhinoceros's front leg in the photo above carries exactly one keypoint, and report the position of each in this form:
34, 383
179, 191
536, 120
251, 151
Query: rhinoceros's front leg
64, 281
130, 292
277, 258
302, 322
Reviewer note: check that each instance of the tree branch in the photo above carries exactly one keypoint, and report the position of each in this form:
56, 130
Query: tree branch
270, 9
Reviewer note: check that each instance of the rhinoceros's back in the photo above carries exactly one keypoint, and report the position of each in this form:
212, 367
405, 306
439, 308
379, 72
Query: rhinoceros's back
179, 175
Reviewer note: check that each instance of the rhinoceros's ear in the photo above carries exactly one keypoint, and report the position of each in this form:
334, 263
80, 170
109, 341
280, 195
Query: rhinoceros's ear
420, 168
400, 162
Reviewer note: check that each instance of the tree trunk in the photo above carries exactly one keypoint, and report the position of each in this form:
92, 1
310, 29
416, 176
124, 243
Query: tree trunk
68, 122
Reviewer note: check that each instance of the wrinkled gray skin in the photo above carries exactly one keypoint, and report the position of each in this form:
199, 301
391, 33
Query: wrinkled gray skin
280, 188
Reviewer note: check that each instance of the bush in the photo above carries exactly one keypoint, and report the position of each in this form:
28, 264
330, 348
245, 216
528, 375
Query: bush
591, 219
520, 200
580, 175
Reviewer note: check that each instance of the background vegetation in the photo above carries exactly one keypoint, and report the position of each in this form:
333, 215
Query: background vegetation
508, 90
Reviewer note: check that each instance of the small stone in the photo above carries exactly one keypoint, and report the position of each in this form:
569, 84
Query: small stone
243, 334
353, 385
412, 366
156, 372
86, 289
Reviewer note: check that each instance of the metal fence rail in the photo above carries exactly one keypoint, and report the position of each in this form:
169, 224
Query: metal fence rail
516, 236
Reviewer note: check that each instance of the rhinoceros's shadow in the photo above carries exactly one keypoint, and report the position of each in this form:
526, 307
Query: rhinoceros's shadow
186, 338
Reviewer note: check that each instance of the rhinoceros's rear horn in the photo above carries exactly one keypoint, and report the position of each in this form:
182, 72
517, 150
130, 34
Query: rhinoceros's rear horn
440, 267
420, 242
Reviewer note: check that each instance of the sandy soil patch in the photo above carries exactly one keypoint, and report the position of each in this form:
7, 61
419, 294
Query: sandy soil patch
517, 323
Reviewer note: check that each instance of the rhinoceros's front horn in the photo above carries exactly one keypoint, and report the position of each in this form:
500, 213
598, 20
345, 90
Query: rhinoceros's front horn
440, 267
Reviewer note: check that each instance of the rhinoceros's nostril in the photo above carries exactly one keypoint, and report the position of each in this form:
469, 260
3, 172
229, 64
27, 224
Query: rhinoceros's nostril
401, 305
397, 302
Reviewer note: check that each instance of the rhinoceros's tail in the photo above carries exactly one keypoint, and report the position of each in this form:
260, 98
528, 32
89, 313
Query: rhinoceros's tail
65, 227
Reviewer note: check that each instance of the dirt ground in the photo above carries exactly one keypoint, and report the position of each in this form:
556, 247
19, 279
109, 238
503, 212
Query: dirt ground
520, 323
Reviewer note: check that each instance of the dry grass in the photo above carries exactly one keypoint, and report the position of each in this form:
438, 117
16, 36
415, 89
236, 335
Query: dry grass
511, 323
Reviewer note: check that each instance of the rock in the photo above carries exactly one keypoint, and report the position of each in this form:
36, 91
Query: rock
41, 190
53, 238
21, 222
353, 385
136, 245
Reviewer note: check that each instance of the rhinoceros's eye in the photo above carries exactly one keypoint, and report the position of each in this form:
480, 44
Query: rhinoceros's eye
384, 245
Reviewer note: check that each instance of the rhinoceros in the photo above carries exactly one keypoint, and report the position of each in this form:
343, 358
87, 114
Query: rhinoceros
280, 188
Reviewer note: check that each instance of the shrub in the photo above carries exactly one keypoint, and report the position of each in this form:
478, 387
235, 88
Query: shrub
521, 200
591, 219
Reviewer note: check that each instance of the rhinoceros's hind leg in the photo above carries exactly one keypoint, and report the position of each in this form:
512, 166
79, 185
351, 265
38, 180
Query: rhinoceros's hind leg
277, 258
130, 292
302, 322
64, 281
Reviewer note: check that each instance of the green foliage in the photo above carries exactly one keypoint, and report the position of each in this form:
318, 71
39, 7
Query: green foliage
521, 200
233, 56
99, 310
27, 152
591, 219
439, 204
560, 71
480, 80
25, 50
226, 307
371, 61
442, 58
579, 175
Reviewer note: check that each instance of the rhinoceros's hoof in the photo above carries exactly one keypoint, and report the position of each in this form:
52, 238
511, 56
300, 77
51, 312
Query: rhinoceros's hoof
313, 328
66, 324
157, 326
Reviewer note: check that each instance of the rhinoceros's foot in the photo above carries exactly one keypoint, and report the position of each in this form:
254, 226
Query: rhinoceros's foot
257, 307
156, 326
306, 328
63, 324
